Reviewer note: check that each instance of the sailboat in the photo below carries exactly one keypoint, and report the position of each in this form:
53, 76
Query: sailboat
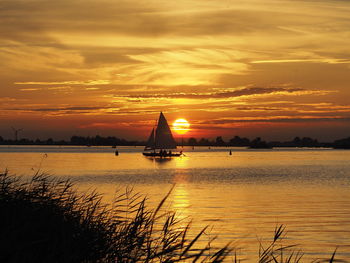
161, 141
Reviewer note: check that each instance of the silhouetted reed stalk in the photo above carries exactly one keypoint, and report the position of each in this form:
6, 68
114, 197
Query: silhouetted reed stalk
276, 252
46, 220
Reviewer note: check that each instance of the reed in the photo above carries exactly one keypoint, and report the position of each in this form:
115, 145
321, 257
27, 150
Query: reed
275, 252
47, 220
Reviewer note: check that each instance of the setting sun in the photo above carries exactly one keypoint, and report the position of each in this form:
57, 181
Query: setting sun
181, 126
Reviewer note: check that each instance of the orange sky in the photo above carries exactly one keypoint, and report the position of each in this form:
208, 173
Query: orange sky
275, 69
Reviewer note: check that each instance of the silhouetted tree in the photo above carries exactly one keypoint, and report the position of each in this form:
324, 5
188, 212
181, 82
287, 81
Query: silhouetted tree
297, 142
304, 142
99, 140
238, 141
79, 140
219, 141
258, 143
192, 141
342, 143
308, 142
24, 141
203, 142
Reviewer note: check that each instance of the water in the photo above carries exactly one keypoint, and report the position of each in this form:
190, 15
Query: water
242, 196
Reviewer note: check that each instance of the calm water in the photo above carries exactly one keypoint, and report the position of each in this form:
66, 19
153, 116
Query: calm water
242, 196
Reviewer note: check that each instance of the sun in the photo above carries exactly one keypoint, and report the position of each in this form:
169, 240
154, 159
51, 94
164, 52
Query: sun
181, 126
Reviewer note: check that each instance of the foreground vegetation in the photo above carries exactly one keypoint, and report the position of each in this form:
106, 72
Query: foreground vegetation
47, 220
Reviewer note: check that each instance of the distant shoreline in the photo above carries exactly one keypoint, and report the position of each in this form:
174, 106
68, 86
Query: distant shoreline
236, 141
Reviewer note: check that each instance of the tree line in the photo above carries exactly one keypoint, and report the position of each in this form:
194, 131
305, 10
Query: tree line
236, 141
258, 142
74, 140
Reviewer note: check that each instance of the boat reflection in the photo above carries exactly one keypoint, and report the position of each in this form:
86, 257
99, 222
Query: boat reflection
179, 162
159, 161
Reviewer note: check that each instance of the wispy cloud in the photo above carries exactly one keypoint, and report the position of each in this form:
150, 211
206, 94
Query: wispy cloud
279, 119
324, 60
230, 93
30, 89
8, 99
71, 82
61, 110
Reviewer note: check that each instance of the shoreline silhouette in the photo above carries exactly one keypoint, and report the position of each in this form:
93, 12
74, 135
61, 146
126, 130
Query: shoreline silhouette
236, 141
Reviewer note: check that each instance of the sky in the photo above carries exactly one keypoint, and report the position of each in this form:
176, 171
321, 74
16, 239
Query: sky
270, 68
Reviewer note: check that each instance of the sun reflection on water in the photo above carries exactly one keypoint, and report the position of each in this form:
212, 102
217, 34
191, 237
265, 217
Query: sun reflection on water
181, 200
181, 162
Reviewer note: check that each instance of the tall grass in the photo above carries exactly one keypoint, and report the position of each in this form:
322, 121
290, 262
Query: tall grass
276, 252
46, 220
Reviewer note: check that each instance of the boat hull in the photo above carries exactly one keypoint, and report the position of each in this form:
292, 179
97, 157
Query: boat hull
155, 154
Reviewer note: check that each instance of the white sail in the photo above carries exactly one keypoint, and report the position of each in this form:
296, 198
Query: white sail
150, 143
164, 138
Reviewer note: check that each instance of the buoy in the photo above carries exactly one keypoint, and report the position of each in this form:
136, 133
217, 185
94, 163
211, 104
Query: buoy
230, 152
116, 153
